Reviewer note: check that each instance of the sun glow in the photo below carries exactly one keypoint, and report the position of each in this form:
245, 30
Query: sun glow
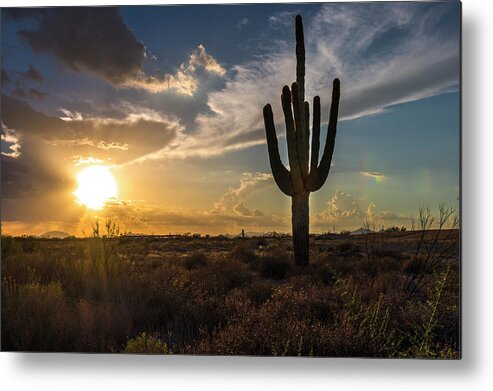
95, 186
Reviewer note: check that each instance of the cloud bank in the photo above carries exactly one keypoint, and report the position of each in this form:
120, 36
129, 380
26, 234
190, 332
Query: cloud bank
343, 209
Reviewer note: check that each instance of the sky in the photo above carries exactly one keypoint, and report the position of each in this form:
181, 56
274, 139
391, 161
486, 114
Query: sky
168, 101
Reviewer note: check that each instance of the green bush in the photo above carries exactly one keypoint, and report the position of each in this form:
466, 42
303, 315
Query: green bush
146, 344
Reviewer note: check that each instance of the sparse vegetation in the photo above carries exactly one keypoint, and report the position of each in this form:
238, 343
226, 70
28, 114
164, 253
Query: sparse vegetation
383, 294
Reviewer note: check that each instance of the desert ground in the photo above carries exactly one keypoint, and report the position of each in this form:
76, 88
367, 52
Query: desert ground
386, 294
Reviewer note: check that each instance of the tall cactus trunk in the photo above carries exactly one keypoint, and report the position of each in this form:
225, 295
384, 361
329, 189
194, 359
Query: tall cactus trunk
306, 173
300, 217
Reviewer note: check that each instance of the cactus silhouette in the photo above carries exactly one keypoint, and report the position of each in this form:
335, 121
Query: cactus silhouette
305, 175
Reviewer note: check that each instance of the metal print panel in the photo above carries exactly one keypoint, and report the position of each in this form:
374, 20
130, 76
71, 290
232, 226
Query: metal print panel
268, 179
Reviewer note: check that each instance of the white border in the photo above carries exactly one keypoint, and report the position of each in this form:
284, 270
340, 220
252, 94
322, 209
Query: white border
473, 372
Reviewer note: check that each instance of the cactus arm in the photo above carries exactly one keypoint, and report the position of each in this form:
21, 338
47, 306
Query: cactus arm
312, 178
294, 164
280, 173
324, 167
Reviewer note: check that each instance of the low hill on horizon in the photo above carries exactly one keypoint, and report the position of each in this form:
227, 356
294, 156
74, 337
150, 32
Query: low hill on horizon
54, 235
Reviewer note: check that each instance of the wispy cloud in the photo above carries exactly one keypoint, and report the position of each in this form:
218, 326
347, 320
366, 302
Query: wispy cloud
85, 160
242, 23
185, 81
281, 20
200, 58
10, 142
372, 174
383, 53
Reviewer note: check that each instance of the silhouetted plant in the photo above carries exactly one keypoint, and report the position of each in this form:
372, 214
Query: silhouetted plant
303, 176
437, 242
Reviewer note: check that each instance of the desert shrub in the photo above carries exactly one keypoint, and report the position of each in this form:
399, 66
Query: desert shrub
428, 338
166, 294
389, 253
274, 266
220, 276
10, 247
416, 266
103, 326
243, 252
346, 248
388, 264
36, 317
29, 244
261, 242
147, 344
289, 323
321, 268
387, 282
344, 265
195, 261
258, 292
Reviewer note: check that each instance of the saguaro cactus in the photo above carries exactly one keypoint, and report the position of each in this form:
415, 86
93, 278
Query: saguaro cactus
305, 175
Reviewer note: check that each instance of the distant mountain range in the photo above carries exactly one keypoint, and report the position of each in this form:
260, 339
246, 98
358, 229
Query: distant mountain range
62, 235
54, 235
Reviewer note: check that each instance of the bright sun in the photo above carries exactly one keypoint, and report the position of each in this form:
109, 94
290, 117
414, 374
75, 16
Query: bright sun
96, 184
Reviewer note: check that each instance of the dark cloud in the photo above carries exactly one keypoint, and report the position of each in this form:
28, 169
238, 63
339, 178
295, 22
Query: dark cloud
97, 40
139, 133
92, 38
32, 74
19, 93
33, 174
5, 78
32, 93
21, 117
17, 178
